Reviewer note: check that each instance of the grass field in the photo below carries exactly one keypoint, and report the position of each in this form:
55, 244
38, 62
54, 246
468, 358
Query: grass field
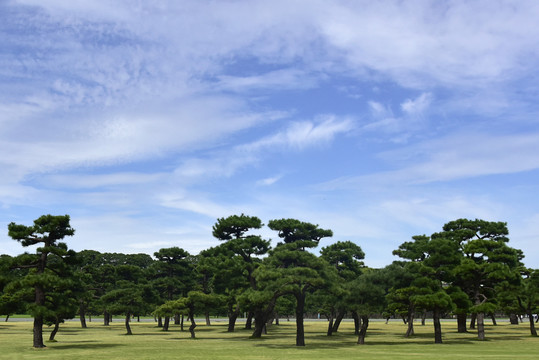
213, 342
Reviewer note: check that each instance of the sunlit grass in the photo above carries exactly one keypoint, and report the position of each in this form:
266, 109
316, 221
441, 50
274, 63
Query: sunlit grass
213, 342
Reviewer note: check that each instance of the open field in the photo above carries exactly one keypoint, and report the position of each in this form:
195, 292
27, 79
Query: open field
213, 342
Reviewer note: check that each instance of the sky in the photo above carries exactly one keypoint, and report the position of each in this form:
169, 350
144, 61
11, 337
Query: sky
380, 120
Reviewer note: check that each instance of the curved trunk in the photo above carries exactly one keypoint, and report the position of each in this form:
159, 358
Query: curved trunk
262, 316
410, 321
300, 310
166, 324
461, 323
330, 325
357, 322
338, 320
193, 326
472, 321
55, 330
363, 331
437, 326
82, 315
532, 324
7, 318
232, 316
249, 321
493, 319
127, 326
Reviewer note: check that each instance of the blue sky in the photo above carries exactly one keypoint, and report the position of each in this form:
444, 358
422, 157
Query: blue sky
147, 121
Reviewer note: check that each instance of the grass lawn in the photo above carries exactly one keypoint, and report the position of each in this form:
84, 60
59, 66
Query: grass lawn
213, 342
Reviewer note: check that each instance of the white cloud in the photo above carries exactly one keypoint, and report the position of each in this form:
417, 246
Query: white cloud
416, 107
300, 135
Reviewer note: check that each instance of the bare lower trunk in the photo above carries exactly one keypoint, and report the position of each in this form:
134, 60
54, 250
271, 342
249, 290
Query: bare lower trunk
513, 319
233, 314
410, 321
338, 320
193, 326
7, 318
208, 322
300, 329
55, 330
82, 315
493, 319
249, 321
532, 324
423, 317
181, 323
262, 316
363, 330
166, 323
38, 332
357, 322
330, 325
127, 326
177, 319
481, 326
461, 323
473, 320
160, 322
437, 326
106, 318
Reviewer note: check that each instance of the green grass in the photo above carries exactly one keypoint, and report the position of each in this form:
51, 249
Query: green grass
213, 342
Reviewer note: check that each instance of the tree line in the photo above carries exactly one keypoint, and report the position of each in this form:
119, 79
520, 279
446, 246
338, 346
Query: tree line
467, 270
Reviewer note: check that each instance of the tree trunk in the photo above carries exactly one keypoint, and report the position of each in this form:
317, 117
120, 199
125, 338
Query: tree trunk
300, 310
181, 323
82, 315
513, 319
276, 315
338, 319
193, 326
127, 326
160, 322
55, 330
461, 323
7, 318
330, 325
494, 323
38, 320
532, 324
481, 326
208, 322
177, 319
166, 324
423, 317
38, 332
410, 321
249, 321
437, 326
261, 317
472, 320
363, 332
357, 322
106, 318
233, 313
